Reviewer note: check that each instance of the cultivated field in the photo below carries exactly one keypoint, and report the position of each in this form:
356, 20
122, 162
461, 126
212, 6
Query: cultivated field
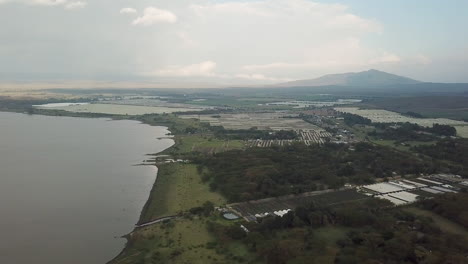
384, 116
116, 109
264, 121
152, 102
307, 137
304, 104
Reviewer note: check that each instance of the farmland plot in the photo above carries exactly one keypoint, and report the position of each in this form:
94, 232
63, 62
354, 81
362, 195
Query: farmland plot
384, 116
264, 121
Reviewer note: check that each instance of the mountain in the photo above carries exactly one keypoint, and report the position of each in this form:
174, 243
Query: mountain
361, 79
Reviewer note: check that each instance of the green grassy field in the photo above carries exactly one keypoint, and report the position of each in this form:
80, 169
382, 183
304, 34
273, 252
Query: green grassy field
203, 143
180, 241
177, 188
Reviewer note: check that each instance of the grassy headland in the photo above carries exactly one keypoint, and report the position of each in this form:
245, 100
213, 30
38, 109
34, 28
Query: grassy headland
178, 188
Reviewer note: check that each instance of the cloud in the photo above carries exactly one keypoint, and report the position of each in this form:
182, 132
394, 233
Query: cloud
128, 10
65, 3
261, 77
185, 38
332, 56
153, 15
257, 40
47, 2
252, 9
330, 16
422, 59
203, 69
386, 58
281, 39
75, 5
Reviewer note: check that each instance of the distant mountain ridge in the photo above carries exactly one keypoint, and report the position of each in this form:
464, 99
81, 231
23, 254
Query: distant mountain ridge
366, 78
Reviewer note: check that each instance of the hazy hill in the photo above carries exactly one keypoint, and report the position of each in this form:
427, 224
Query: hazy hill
365, 78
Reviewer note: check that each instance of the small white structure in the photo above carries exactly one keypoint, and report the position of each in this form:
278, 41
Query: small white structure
405, 196
244, 228
442, 189
402, 185
430, 190
281, 213
426, 180
383, 188
417, 184
395, 201
261, 215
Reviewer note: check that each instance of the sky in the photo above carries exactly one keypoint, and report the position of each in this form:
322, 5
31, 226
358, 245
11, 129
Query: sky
230, 42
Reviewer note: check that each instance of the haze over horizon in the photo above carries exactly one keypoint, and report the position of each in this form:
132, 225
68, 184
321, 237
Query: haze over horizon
229, 42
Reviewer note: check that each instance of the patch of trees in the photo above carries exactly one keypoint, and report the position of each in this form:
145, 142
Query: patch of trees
10, 104
401, 132
374, 236
443, 130
256, 173
206, 209
451, 205
352, 119
414, 241
411, 132
314, 215
453, 150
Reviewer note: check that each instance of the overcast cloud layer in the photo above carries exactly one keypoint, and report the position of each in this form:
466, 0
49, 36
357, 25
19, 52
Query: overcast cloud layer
234, 42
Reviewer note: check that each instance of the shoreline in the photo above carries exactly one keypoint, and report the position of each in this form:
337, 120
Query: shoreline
150, 163
145, 162
148, 201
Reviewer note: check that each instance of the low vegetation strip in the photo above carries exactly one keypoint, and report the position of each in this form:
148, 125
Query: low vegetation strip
178, 188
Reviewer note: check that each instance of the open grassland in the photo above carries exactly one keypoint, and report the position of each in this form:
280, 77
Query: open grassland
178, 188
176, 125
203, 143
462, 131
183, 240
179, 241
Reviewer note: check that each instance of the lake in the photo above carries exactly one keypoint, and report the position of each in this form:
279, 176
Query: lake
69, 188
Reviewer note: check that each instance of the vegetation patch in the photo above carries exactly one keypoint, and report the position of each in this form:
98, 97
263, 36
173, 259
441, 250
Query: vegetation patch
242, 175
178, 188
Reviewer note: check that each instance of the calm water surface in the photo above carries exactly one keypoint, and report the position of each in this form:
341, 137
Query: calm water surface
68, 187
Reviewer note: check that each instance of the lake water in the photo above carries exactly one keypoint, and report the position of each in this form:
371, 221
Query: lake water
68, 187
